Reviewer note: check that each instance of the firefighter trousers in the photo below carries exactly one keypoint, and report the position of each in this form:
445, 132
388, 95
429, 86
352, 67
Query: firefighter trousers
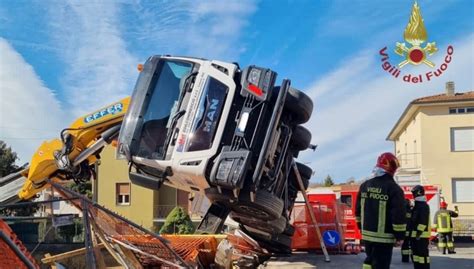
406, 250
379, 255
421, 255
445, 240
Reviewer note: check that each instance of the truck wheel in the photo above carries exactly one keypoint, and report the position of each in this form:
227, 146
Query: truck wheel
305, 172
301, 138
299, 104
273, 226
279, 243
266, 205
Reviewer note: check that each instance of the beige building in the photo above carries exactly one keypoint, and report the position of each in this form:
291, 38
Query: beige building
143, 206
434, 141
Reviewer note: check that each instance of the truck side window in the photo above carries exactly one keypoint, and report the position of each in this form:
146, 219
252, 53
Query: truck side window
347, 199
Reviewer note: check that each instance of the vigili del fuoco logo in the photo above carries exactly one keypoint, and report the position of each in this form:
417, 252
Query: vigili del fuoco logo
415, 53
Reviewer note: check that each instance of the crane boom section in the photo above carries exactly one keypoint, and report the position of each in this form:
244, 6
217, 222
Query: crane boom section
81, 135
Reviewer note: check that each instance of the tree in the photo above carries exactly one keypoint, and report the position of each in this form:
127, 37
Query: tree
351, 181
177, 222
83, 187
328, 181
7, 160
68, 232
19, 210
8, 166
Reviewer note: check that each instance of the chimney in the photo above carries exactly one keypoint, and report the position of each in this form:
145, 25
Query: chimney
450, 88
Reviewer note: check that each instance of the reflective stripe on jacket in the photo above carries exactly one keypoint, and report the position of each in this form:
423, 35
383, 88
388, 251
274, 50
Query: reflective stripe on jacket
408, 217
421, 224
443, 220
381, 210
408, 230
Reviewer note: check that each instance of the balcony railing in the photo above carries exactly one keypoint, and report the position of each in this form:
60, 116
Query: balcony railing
409, 161
464, 225
162, 211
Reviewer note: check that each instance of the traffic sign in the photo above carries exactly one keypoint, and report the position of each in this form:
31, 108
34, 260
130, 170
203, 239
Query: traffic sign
331, 238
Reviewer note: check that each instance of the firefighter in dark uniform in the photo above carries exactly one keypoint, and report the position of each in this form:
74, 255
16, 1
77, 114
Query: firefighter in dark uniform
444, 227
421, 229
380, 213
406, 249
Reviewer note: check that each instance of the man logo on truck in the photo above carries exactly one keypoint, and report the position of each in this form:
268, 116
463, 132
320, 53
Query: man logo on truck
210, 116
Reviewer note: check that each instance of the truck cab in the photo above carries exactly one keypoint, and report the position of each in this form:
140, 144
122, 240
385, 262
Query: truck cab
211, 127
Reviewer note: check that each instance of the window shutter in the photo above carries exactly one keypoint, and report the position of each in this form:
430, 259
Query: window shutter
462, 139
463, 190
123, 188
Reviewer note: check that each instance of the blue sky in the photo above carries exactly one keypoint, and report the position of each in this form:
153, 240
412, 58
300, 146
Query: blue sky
61, 59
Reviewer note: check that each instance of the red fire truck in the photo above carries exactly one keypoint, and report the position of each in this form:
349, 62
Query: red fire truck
348, 197
335, 210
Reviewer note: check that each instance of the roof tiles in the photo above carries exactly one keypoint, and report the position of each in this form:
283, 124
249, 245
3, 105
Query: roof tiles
462, 96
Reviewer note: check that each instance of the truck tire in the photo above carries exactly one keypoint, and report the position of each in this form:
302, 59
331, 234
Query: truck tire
270, 226
301, 138
299, 105
305, 172
266, 205
279, 243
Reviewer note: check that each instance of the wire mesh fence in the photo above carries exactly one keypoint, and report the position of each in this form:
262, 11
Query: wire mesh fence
122, 238
463, 225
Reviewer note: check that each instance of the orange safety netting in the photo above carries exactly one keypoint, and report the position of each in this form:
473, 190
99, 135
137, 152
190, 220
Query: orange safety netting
122, 236
13, 254
195, 249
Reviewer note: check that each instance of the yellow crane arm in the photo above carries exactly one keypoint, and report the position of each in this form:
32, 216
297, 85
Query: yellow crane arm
71, 155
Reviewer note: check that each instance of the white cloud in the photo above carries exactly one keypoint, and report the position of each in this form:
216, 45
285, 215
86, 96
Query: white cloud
100, 44
29, 111
208, 29
98, 67
102, 41
359, 104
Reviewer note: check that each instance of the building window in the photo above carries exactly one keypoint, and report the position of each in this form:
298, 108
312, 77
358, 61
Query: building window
461, 110
122, 191
463, 188
406, 153
462, 139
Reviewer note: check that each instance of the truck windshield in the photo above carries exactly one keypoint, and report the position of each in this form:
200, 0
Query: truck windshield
163, 104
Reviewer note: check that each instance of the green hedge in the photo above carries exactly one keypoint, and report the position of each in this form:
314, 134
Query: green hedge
177, 222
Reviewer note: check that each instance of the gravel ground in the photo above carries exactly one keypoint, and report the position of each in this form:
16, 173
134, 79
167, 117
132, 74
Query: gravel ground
463, 259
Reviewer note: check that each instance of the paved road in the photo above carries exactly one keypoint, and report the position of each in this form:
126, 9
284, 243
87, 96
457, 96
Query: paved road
463, 259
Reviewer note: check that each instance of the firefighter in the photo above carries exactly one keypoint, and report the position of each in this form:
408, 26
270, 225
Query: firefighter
444, 227
380, 213
406, 249
421, 230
